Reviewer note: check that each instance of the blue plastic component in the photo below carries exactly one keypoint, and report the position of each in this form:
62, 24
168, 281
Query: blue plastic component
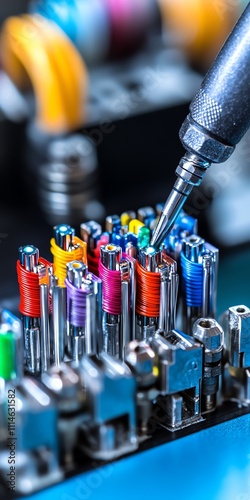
184, 224
123, 239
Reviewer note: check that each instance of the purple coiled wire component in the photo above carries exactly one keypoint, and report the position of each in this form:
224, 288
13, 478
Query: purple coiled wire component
76, 304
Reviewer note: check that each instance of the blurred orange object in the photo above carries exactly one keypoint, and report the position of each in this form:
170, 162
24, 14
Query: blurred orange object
36, 53
199, 27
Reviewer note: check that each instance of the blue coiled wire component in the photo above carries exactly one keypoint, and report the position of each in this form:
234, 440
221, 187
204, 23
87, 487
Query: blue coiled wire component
192, 281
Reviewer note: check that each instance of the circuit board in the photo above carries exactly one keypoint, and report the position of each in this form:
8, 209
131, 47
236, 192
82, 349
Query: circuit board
161, 372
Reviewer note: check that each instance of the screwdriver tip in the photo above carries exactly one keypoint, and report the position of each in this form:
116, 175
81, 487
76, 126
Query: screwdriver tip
160, 231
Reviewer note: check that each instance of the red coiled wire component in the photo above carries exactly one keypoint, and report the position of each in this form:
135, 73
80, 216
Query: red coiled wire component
147, 292
29, 287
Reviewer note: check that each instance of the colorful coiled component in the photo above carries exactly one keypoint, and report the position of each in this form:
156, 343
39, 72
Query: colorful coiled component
199, 268
192, 274
66, 247
111, 278
30, 277
130, 291
147, 292
83, 311
76, 303
192, 270
36, 53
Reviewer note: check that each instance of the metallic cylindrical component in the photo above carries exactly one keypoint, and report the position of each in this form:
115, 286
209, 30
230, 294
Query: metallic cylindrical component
63, 174
97, 283
53, 282
141, 360
59, 323
29, 257
45, 333
131, 250
192, 247
213, 279
91, 327
64, 236
76, 271
174, 277
82, 311
30, 270
150, 261
165, 298
64, 382
207, 269
150, 258
32, 345
237, 336
111, 256
210, 334
125, 330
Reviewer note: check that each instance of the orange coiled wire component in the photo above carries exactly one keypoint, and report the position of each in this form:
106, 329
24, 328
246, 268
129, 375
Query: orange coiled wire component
29, 287
62, 257
147, 292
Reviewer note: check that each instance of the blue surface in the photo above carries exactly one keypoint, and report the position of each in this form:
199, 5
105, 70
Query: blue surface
213, 464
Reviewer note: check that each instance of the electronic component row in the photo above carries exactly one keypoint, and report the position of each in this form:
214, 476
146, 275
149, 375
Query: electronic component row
114, 340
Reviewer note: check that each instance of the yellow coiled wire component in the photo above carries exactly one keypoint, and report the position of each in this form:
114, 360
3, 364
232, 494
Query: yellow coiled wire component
62, 257
35, 51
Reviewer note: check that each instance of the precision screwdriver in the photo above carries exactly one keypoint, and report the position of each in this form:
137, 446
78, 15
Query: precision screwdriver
219, 116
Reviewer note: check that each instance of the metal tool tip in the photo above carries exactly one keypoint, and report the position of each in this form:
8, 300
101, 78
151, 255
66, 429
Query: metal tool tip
159, 231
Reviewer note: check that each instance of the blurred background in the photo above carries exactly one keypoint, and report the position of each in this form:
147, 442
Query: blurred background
92, 96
